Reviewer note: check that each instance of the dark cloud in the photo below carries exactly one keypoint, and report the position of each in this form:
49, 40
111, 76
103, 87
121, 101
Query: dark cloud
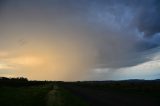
148, 20
120, 30
142, 15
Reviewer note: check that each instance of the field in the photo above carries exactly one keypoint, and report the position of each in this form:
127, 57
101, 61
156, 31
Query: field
126, 93
20, 92
87, 93
23, 96
41, 96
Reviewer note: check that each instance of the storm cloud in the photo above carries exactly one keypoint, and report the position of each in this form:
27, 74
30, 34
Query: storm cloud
113, 34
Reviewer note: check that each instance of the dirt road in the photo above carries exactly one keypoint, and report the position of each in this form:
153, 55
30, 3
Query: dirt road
53, 97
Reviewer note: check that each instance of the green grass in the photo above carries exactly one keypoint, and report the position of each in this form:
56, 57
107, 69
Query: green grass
24, 96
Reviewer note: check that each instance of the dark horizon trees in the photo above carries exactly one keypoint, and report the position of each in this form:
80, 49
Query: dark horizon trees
20, 82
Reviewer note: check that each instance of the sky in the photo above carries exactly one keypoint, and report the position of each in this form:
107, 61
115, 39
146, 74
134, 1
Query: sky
74, 40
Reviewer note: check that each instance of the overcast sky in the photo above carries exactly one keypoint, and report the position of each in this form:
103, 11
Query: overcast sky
80, 39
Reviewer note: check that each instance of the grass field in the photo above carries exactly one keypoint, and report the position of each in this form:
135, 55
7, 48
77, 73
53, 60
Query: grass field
38, 96
101, 93
114, 93
23, 96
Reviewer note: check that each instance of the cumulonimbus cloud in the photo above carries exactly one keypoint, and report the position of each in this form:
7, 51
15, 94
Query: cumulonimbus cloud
112, 33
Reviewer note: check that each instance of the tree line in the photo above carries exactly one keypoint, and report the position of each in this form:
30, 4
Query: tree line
20, 82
